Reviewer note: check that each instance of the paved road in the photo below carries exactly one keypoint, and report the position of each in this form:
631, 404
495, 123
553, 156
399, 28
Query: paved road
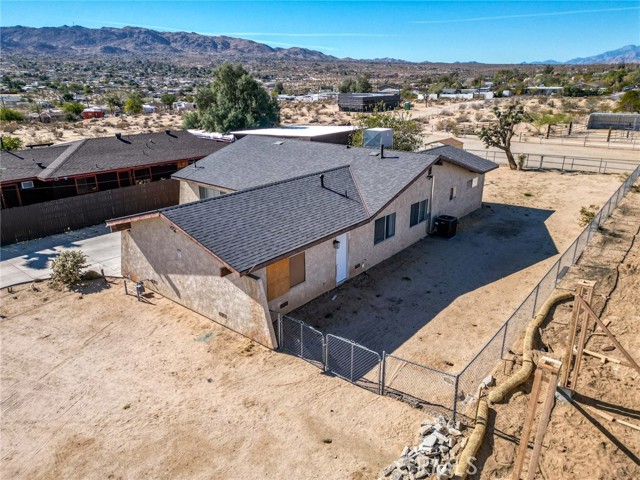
26, 261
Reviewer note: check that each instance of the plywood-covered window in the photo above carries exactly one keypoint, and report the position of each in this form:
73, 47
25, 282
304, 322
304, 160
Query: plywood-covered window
284, 274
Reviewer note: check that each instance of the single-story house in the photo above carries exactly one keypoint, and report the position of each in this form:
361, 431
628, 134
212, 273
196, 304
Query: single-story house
454, 142
311, 133
91, 165
296, 220
92, 112
367, 102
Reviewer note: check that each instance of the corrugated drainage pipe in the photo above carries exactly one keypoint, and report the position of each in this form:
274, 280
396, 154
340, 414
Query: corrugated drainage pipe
498, 394
467, 458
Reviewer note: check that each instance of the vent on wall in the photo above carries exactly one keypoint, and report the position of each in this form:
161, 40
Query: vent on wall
26, 185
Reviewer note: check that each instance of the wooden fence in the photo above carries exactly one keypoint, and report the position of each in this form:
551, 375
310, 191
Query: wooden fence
57, 216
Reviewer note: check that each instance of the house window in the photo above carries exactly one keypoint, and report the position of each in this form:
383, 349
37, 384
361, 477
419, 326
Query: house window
86, 185
385, 227
208, 192
452, 193
418, 213
473, 183
285, 274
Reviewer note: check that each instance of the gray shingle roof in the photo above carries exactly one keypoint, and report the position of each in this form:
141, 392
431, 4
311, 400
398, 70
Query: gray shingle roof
23, 164
254, 161
462, 158
95, 155
285, 216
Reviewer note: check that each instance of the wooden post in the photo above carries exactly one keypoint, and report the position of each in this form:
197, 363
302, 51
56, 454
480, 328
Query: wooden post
584, 289
546, 367
612, 337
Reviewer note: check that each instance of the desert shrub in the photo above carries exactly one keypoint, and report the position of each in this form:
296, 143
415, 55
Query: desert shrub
587, 214
67, 268
11, 143
11, 115
10, 127
478, 116
462, 118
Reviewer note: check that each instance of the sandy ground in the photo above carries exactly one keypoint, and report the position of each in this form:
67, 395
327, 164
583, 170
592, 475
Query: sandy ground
98, 385
579, 443
439, 301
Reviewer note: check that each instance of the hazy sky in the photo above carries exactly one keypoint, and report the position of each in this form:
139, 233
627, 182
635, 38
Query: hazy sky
491, 32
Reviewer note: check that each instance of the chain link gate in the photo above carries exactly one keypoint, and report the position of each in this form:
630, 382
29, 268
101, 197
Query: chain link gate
353, 362
301, 340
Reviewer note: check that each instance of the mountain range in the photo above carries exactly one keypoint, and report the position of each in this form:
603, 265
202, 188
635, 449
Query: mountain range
77, 40
626, 54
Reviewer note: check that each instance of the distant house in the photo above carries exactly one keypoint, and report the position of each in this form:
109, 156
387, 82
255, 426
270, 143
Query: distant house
183, 106
268, 224
312, 133
542, 90
92, 112
614, 121
95, 164
367, 102
453, 142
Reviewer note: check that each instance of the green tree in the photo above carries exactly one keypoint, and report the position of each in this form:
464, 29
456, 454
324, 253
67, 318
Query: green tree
11, 143
407, 134
278, 88
73, 108
168, 99
234, 101
10, 115
500, 133
133, 105
541, 120
629, 102
360, 84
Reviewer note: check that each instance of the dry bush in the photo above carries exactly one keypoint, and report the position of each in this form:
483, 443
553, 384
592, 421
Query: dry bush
462, 118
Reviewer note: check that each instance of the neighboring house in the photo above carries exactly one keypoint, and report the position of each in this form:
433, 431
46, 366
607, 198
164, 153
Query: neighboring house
300, 218
614, 121
453, 142
367, 102
183, 106
92, 112
95, 164
313, 133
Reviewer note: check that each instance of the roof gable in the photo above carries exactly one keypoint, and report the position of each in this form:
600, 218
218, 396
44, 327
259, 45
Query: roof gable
284, 216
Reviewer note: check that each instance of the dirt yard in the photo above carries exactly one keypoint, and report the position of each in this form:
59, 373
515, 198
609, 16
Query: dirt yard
97, 385
439, 301
579, 443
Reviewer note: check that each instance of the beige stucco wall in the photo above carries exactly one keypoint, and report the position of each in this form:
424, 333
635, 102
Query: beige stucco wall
320, 271
188, 192
320, 277
183, 271
361, 247
466, 201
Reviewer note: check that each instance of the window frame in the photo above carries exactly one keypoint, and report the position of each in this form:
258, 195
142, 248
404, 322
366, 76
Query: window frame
88, 190
418, 213
384, 228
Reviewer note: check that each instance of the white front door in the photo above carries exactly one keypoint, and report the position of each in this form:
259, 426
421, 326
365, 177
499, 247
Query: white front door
342, 270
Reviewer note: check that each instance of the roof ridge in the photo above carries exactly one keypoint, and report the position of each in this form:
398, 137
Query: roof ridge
260, 187
61, 159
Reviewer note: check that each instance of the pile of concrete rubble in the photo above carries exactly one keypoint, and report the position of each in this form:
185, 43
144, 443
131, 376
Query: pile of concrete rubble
436, 455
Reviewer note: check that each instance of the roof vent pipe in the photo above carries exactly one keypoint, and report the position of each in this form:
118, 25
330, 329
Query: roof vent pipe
118, 135
167, 131
322, 180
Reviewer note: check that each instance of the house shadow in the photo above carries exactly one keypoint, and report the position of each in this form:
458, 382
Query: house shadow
37, 253
387, 305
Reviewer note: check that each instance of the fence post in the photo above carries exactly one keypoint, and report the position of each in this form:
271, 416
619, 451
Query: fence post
351, 375
535, 300
280, 330
325, 354
383, 369
455, 397
558, 270
504, 339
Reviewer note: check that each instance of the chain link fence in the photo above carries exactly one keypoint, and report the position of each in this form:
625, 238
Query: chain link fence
421, 385
353, 362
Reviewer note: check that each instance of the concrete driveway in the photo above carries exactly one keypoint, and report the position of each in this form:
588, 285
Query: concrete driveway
27, 261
